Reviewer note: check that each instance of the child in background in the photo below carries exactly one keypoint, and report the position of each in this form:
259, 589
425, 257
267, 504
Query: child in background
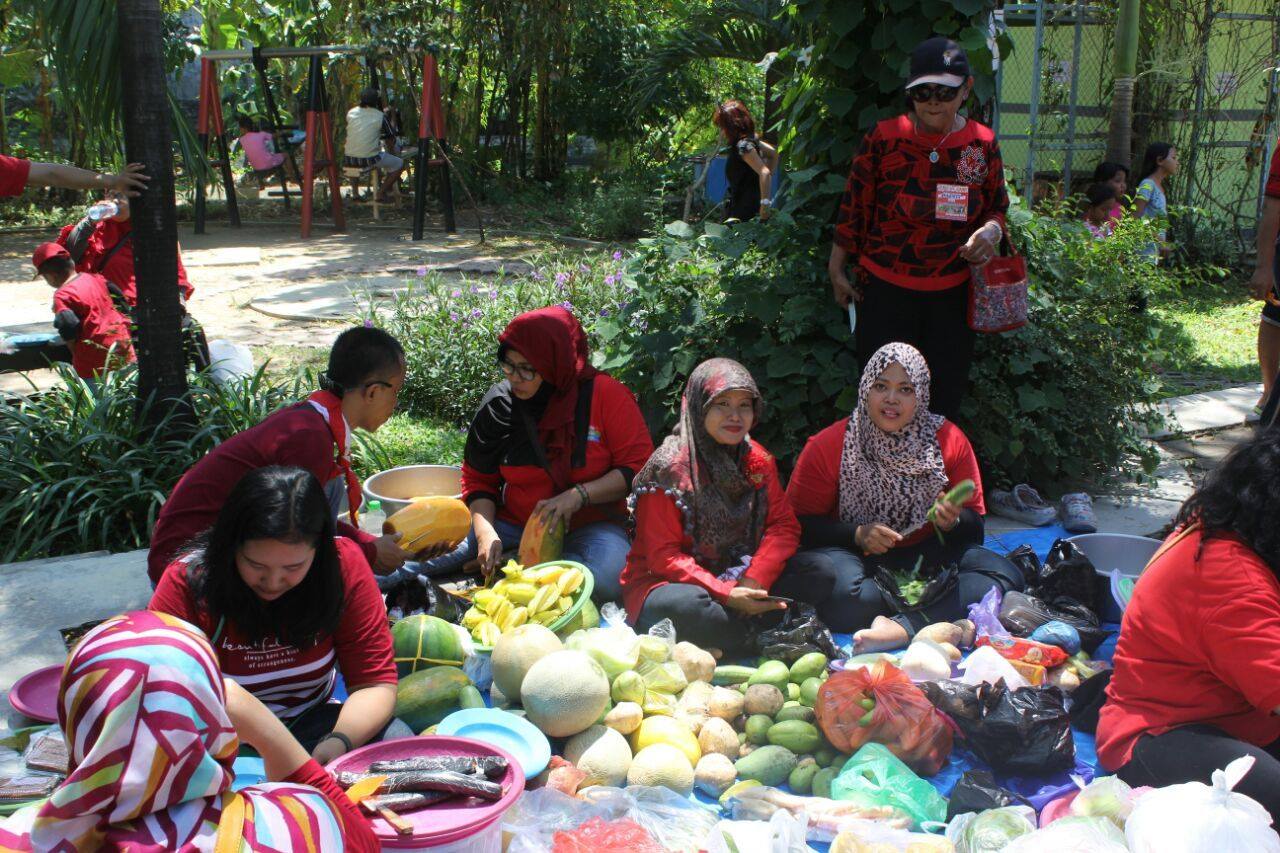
1115, 175
1158, 163
86, 313
258, 147
1099, 201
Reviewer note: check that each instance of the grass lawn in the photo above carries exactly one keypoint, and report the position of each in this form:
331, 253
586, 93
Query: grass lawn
1216, 331
410, 440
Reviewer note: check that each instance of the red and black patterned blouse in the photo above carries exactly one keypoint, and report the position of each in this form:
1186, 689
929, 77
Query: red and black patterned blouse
904, 217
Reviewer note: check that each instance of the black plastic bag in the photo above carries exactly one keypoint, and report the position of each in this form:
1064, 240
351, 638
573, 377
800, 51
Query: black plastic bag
413, 596
1068, 573
977, 791
936, 587
1021, 732
788, 635
1021, 614
1025, 558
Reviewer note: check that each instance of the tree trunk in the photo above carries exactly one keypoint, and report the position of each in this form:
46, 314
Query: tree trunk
148, 139
1120, 129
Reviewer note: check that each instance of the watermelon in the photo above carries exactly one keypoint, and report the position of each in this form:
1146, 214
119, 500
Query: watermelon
423, 641
426, 697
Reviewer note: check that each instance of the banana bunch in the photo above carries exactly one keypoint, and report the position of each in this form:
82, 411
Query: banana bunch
542, 596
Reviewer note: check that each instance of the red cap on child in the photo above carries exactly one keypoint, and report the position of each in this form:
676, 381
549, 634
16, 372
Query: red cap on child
46, 252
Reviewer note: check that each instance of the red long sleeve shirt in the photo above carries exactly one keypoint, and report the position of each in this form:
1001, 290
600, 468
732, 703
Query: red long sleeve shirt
102, 326
287, 679
891, 217
1200, 643
662, 552
814, 488
357, 835
617, 437
296, 436
119, 268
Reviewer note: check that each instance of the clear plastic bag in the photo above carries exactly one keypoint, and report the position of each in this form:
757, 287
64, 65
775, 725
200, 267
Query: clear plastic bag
856, 834
1079, 835
985, 615
986, 665
825, 818
674, 822
1198, 818
615, 648
992, 830
1106, 796
876, 777
782, 833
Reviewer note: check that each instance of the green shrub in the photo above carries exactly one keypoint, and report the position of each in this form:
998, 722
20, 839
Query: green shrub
450, 328
83, 473
1060, 400
617, 210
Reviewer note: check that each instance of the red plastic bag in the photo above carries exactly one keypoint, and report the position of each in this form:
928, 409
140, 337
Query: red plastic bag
600, 836
879, 704
1027, 651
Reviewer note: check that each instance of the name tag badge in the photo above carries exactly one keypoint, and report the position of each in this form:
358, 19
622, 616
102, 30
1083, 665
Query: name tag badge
952, 203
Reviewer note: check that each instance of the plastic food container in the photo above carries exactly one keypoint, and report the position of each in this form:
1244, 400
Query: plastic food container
396, 487
453, 826
1111, 553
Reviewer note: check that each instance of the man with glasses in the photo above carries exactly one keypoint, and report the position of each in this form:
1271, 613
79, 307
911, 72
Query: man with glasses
359, 390
925, 200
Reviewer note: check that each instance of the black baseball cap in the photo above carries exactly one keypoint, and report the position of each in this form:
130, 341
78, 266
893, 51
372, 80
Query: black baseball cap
938, 60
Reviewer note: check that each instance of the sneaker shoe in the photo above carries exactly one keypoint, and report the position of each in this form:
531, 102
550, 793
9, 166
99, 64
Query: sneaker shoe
1077, 513
1023, 504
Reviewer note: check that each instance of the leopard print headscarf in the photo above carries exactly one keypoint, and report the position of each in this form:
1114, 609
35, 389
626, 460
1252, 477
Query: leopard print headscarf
723, 510
892, 478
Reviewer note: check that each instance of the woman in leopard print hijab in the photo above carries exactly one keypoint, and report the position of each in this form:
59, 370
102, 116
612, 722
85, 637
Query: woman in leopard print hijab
863, 490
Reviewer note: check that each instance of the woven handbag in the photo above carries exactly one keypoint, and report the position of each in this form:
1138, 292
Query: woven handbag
998, 292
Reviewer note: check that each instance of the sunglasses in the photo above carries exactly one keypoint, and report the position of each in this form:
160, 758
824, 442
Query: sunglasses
525, 372
933, 92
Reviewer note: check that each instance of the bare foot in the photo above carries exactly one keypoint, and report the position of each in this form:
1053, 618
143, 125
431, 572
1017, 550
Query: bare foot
883, 634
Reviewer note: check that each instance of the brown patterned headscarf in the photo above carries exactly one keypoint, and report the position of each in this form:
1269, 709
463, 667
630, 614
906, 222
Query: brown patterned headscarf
892, 478
723, 509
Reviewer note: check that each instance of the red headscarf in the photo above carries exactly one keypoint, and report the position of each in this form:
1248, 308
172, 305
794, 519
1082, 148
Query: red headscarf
554, 343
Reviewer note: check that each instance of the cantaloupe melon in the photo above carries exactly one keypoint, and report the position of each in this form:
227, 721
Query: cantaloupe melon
540, 542
662, 765
601, 753
423, 641
564, 693
430, 521
518, 650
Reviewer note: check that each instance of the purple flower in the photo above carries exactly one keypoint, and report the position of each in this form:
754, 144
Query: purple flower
453, 315
562, 278
422, 271
466, 324
368, 324
475, 288
611, 278
617, 256
493, 294
567, 305
584, 268
537, 275
456, 294
604, 312
477, 313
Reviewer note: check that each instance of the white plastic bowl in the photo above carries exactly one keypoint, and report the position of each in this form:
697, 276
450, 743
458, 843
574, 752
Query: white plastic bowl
1116, 551
396, 487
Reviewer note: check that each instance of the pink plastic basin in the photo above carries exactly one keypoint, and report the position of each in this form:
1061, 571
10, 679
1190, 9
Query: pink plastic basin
446, 822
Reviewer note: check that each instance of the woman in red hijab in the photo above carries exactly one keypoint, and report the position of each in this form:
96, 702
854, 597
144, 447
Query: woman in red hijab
555, 439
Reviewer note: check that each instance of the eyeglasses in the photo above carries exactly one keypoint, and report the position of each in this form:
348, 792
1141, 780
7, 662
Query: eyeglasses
933, 92
524, 371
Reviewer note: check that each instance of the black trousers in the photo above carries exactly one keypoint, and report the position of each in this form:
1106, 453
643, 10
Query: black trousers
856, 600
314, 725
934, 322
705, 622
1192, 753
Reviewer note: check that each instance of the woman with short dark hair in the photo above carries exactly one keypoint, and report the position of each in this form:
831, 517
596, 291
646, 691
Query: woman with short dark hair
751, 163
1197, 669
287, 606
925, 201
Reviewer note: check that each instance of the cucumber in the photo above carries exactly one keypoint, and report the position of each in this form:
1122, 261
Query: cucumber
725, 675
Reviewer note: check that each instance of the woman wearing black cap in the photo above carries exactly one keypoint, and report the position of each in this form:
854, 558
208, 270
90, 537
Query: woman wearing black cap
925, 200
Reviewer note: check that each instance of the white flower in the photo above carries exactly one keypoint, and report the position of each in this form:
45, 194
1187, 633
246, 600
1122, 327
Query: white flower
768, 60
805, 56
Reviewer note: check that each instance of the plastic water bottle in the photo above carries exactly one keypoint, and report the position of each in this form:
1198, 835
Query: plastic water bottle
372, 517
102, 210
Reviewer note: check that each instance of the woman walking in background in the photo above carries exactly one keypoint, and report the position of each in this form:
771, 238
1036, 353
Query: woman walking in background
751, 164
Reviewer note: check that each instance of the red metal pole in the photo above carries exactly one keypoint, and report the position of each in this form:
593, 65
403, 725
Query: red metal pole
308, 172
